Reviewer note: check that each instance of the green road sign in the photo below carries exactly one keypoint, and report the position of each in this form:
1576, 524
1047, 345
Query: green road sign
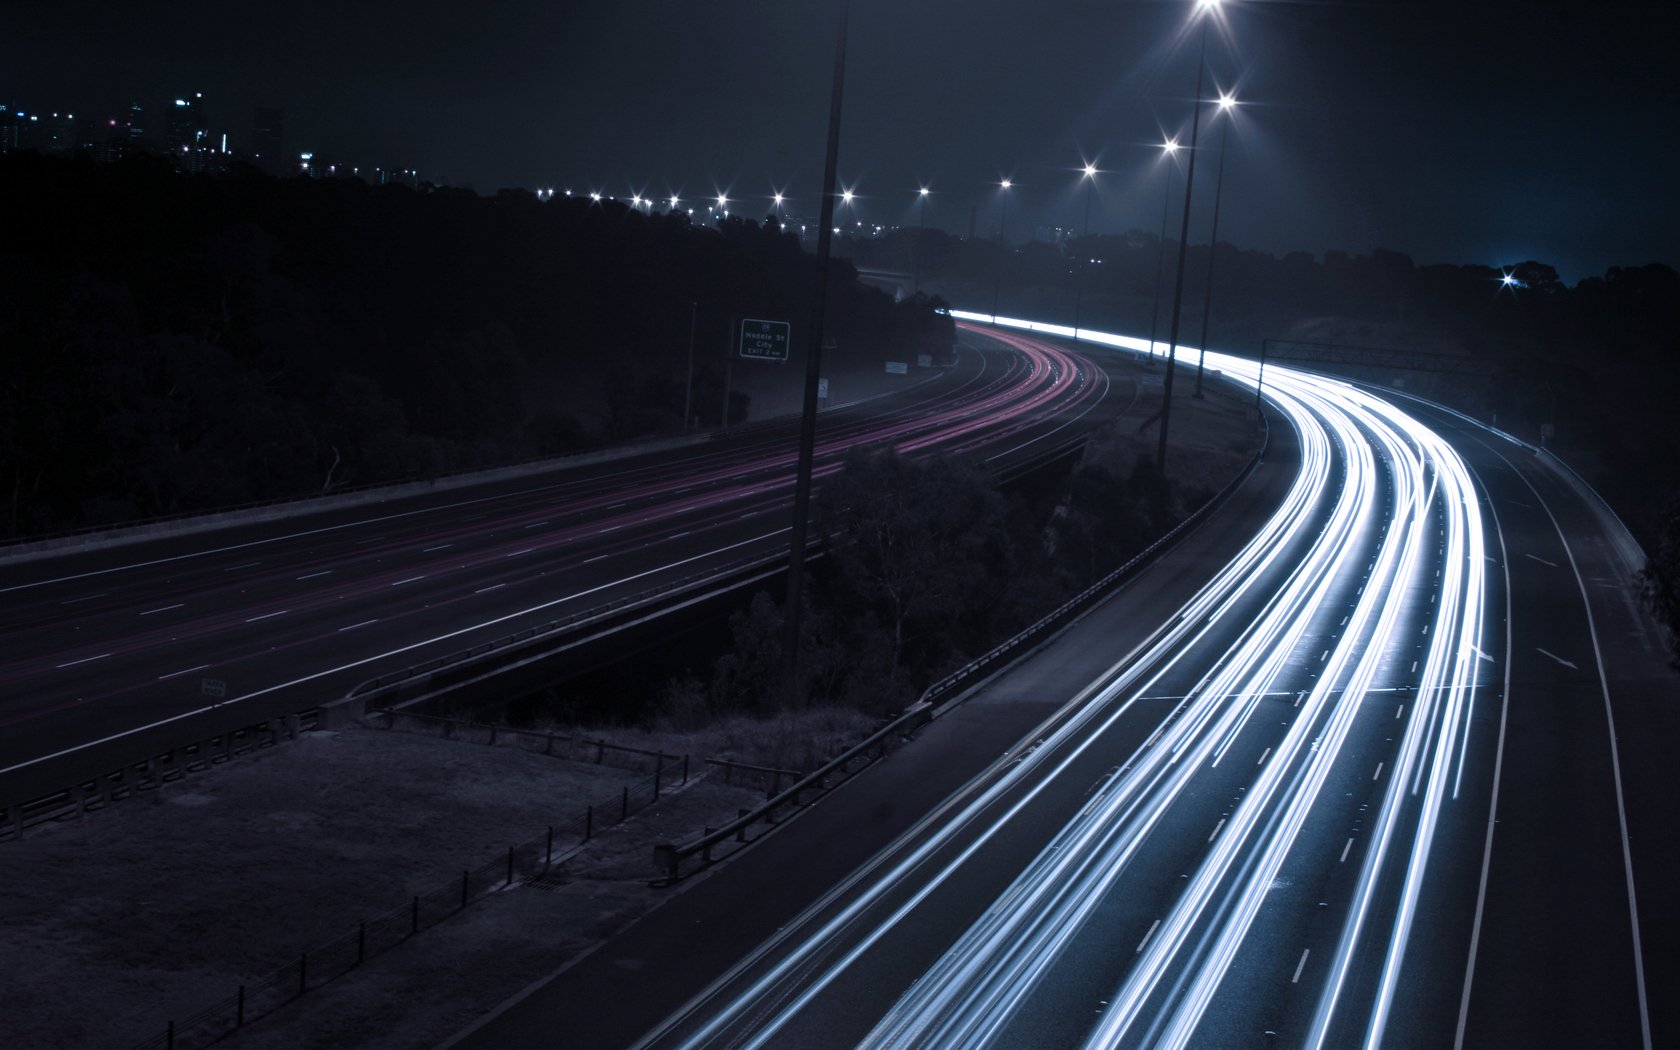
764, 340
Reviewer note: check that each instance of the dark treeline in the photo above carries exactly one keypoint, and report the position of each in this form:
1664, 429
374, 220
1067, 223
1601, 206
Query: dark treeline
183, 343
1599, 360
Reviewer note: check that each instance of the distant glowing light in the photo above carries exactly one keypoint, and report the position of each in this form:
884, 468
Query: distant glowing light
594, 196
722, 200
1090, 171
1227, 100
846, 195
1005, 184
1171, 146
778, 199
923, 192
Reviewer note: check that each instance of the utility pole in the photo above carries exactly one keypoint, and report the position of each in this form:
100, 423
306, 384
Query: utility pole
813, 370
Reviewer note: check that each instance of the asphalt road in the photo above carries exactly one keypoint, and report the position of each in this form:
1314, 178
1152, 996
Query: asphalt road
1338, 771
105, 651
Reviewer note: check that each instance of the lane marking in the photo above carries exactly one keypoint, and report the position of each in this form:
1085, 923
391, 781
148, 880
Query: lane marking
609, 528
311, 576
516, 554
247, 565
83, 660
492, 587
411, 579
1541, 560
1148, 935
1378, 773
597, 557
1216, 828
441, 547
1263, 755
1478, 651
1556, 657
164, 608
1345, 849
177, 674
266, 616
537, 525
1298, 966
353, 626
73, 601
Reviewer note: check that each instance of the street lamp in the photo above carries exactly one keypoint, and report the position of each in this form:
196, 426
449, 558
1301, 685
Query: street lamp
1205, 9
921, 236
1090, 177
1226, 101
1003, 221
1170, 149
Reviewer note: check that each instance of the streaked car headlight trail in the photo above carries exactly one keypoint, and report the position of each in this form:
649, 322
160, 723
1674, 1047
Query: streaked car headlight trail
1381, 511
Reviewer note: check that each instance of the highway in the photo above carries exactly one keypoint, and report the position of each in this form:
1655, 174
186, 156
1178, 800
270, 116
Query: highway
106, 650
1344, 770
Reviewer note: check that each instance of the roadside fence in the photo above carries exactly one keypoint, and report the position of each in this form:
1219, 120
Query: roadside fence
536, 741
533, 861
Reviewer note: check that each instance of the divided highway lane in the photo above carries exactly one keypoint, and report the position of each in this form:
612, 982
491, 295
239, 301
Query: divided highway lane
99, 646
1101, 886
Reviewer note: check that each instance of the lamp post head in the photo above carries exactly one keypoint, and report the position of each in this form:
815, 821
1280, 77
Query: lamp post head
846, 196
1170, 146
923, 192
1090, 171
1005, 184
778, 199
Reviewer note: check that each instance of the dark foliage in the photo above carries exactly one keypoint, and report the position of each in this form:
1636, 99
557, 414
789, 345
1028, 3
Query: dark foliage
182, 343
1661, 576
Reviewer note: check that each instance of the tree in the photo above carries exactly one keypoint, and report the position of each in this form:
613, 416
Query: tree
1661, 576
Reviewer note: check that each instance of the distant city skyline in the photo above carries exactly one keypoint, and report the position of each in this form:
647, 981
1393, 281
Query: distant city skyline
1493, 132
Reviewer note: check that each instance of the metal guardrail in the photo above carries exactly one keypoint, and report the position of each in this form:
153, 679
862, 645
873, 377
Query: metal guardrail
669, 858
150, 772
582, 618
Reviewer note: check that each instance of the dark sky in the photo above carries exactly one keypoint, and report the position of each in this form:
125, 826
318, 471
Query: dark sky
1456, 132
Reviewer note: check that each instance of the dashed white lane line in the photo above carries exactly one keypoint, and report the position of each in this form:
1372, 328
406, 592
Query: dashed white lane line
268, 616
536, 525
411, 579
353, 626
516, 554
1263, 756
1556, 657
492, 587
84, 598
1148, 935
164, 608
177, 674
84, 660
247, 565
1541, 560
1216, 828
1345, 849
609, 528
1300, 966
311, 576
439, 547
1378, 773
597, 557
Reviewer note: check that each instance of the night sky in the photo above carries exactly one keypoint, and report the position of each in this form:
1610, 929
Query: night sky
1454, 132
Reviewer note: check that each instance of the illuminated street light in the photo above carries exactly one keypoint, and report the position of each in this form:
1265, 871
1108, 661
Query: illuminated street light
1226, 102
1090, 179
1170, 148
921, 236
1003, 220
1207, 10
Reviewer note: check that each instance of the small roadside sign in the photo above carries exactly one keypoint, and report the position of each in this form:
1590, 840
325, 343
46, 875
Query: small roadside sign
764, 340
214, 687
898, 368
924, 360
822, 390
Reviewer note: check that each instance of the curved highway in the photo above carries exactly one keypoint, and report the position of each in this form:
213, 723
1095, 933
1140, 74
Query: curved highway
1352, 779
108, 649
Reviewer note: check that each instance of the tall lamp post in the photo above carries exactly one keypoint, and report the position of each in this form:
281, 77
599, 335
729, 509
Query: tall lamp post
921, 235
1206, 9
1170, 148
1003, 221
1090, 177
1226, 101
